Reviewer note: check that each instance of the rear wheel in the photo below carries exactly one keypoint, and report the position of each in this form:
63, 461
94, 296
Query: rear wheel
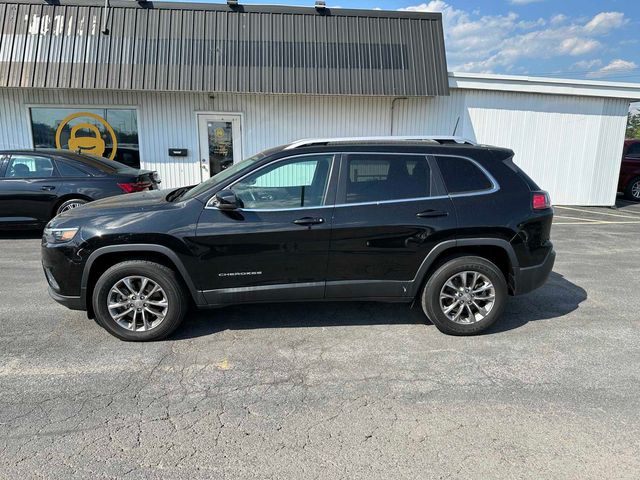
465, 296
139, 300
632, 192
70, 205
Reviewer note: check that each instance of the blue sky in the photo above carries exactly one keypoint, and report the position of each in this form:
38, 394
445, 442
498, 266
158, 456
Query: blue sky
592, 39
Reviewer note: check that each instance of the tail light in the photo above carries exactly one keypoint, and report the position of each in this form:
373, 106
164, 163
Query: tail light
134, 187
540, 200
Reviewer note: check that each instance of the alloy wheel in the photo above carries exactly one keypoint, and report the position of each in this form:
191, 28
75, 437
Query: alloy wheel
71, 206
137, 303
467, 297
635, 190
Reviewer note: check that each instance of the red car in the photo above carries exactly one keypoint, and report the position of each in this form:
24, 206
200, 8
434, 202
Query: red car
629, 181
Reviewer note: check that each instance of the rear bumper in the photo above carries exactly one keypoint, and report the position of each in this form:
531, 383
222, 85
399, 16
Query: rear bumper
530, 278
73, 303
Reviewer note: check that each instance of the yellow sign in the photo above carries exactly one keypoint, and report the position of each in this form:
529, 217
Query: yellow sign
219, 132
93, 144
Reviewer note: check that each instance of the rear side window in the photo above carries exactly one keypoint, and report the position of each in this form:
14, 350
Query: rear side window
67, 170
462, 176
380, 177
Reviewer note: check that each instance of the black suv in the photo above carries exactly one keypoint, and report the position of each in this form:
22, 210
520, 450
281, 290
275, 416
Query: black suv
452, 225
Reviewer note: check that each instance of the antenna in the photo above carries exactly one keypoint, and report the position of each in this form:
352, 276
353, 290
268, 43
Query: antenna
456, 127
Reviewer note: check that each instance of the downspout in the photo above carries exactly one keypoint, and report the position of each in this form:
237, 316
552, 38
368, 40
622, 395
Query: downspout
393, 106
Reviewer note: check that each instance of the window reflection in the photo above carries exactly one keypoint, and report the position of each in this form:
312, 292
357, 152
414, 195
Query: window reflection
107, 132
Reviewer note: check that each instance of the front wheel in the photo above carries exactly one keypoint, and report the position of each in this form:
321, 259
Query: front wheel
139, 300
632, 192
465, 296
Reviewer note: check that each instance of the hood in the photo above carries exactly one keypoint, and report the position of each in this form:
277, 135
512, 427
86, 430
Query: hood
131, 204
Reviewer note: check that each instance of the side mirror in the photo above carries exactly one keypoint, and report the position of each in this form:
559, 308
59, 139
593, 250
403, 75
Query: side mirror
225, 200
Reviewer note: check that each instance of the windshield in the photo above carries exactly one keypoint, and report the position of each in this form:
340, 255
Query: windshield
224, 174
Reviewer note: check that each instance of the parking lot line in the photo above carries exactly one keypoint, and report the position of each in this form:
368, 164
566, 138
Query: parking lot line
588, 221
599, 213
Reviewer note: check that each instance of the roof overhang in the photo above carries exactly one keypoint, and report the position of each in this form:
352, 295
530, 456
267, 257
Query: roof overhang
552, 86
220, 48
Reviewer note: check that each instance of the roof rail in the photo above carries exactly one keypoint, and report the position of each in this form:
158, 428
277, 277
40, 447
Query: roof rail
439, 139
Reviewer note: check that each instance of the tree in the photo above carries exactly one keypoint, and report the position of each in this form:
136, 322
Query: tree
633, 125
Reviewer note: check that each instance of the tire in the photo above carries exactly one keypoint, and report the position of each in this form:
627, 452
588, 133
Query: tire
471, 320
70, 204
632, 192
154, 320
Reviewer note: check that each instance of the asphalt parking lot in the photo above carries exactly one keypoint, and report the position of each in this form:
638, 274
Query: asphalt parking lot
336, 390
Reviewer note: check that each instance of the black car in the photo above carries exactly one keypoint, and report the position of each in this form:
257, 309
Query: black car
36, 185
455, 226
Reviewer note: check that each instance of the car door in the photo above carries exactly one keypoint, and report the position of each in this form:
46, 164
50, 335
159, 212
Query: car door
391, 210
276, 246
28, 189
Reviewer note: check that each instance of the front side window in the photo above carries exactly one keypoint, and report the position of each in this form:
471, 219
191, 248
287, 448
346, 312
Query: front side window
296, 183
29, 166
111, 133
380, 177
462, 176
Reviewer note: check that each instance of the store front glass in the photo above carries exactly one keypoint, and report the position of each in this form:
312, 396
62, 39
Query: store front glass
107, 132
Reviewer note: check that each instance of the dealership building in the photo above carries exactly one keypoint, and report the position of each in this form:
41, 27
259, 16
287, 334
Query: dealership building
187, 89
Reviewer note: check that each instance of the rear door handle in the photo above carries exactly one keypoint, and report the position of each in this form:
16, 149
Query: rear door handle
432, 214
47, 188
308, 221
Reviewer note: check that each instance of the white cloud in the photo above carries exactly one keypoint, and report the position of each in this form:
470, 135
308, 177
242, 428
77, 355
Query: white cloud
614, 67
489, 43
524, 2
558, 19
604, 22
584, 65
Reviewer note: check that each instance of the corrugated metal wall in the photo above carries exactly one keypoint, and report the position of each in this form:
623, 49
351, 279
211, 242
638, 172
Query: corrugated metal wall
214, 48
571, 146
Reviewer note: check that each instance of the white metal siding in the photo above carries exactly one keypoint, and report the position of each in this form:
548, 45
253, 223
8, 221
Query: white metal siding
570, 145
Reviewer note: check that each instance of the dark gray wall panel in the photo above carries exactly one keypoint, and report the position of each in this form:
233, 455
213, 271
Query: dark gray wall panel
215, 48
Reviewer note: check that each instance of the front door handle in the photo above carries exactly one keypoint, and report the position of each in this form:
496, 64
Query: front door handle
308, 221
47, 188
432, 214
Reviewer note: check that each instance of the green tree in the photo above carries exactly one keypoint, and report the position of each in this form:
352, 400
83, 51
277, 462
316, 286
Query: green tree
633, 125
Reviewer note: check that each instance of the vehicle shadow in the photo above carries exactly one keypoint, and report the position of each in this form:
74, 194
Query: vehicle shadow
34, 234
556, 298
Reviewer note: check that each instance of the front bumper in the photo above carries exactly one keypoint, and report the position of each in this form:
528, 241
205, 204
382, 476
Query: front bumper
530, 278
73, 303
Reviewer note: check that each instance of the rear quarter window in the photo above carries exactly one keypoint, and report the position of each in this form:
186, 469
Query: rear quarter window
461, 175
66, 169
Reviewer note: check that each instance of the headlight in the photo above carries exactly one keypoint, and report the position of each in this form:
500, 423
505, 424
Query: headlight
59, 235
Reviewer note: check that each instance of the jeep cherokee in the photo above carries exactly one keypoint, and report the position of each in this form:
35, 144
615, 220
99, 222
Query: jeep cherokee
451, 225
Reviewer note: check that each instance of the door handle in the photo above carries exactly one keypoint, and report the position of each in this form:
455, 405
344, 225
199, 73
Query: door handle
47, 188
432, 214
308, 221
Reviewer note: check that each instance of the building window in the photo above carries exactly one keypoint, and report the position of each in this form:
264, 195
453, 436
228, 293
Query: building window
106, 132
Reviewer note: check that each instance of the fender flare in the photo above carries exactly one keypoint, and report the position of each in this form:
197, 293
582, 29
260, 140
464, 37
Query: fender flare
140, 248
463, 242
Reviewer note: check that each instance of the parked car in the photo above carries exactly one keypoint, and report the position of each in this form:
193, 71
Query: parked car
36, 185
450, 225
629, 180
